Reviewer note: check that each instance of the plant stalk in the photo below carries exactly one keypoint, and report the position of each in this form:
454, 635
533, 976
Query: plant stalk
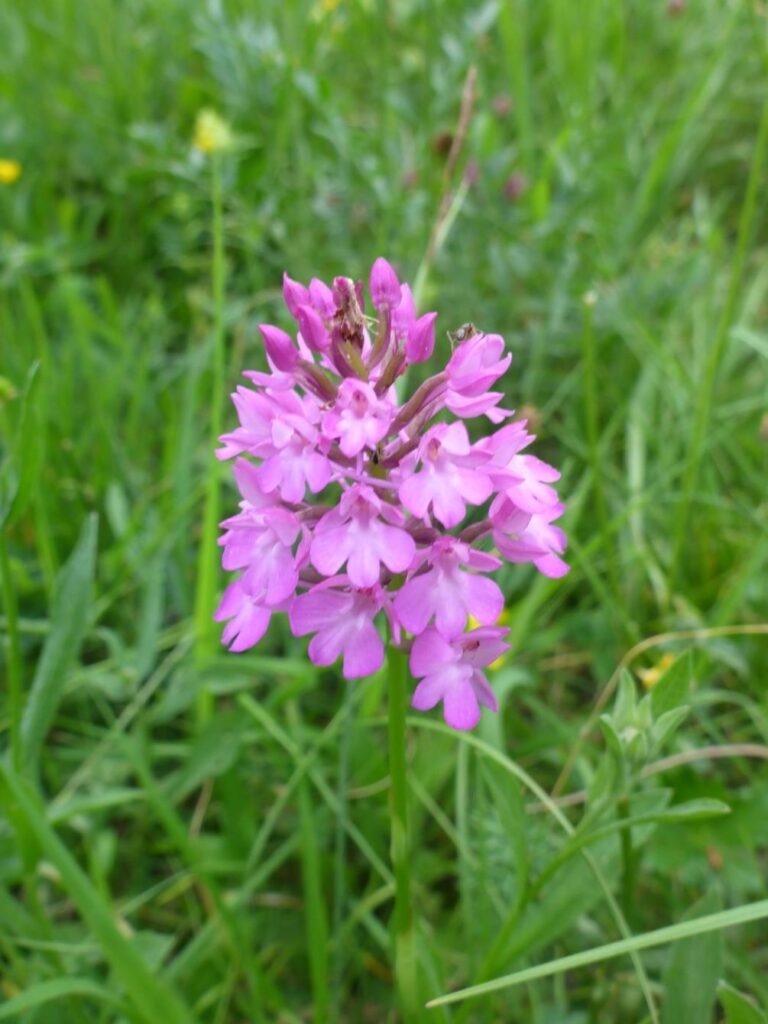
406, 973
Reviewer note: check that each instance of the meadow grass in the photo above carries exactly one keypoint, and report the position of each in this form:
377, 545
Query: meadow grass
195, 836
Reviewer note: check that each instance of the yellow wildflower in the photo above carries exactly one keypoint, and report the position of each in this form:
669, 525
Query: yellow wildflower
10, 171
650, 676
212, 133
502, 621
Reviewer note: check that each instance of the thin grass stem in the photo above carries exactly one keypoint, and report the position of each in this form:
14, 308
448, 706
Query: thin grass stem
205, 595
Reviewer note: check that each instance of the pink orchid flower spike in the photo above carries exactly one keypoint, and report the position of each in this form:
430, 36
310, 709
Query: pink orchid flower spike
364, 509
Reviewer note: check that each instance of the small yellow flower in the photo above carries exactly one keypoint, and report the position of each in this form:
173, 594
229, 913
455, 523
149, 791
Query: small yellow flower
212, 133
650, 676
10, 171
502, 621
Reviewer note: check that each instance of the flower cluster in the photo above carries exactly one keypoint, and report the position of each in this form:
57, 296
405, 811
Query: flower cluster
354, 500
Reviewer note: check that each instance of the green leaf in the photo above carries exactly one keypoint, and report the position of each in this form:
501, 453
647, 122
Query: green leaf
151, 996
672, 689
54, 991
20, 469
739, 1009
626, 701
612, 738
693, 810
667, 725
68, 620
692, 970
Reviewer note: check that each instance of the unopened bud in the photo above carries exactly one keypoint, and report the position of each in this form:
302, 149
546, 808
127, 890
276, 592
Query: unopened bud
384, 285
280, 347
312, 329
295, 295
421, 339
321, 298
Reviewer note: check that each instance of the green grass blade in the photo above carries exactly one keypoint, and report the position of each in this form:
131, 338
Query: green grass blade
706, 391
153, 999
54, 991
660, 937
530, 784
69, 618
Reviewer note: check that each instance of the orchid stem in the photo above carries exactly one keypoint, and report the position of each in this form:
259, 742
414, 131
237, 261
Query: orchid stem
406, 974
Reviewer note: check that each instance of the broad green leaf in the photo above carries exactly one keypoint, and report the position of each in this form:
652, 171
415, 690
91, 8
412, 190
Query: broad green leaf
692, 969
667, 725
68, 621
152, 998
738, 1008
53, 991
672, 689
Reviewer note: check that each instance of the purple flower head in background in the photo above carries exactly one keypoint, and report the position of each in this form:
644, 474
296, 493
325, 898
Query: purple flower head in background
361, 504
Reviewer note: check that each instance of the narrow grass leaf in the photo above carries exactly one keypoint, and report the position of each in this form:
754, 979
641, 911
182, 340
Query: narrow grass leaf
660, 937
69, 618
18, 472
54, 991
152, 998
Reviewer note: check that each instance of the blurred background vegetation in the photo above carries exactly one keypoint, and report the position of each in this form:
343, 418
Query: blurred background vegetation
223, 858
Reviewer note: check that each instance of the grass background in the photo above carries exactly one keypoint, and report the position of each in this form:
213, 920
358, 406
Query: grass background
194, 836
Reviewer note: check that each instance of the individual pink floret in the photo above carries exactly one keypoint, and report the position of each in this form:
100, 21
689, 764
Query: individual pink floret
448, 479
476, 364
342, 621
359, 418
451, 673
248, 619
448, 593
523, 537
356, 533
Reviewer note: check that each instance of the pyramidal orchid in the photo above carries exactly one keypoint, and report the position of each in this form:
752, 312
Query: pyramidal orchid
361, 505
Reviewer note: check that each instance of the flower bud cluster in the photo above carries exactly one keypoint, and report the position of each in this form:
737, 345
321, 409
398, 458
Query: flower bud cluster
354, 500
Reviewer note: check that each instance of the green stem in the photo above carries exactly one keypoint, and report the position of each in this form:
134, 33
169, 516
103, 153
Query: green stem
312, 883
404, 927
205, 596
15, 694
340, 857
628, 880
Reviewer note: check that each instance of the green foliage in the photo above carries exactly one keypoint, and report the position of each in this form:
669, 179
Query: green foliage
692, 970
191, 835
70, 608
738, 1008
